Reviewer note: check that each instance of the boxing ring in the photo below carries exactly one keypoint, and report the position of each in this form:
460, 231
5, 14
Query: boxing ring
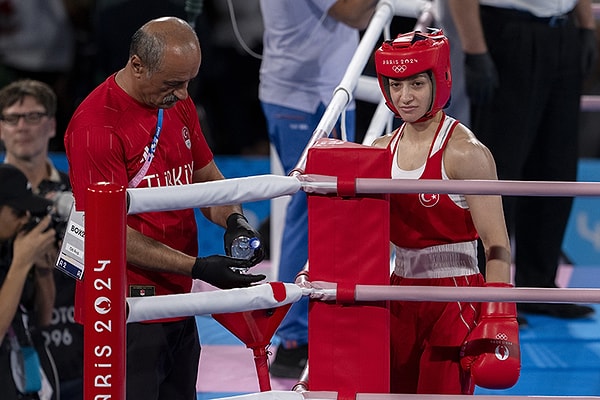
108, 310
253, 313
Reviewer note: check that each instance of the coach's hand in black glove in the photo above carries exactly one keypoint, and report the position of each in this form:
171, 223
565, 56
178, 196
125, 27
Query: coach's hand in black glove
481, 77
237, 225
217, 270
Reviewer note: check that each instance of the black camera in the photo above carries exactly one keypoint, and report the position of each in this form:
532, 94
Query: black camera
59, 214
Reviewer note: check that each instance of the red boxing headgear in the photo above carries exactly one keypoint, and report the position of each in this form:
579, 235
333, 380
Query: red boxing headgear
413, 53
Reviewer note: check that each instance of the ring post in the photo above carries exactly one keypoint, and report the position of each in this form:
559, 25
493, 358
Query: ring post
104, 293
348, 243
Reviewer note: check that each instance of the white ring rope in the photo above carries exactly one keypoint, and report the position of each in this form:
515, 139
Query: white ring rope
208, 194
476, 294
327, 291
324, 184
258, 297
265, 187
255, 188
261, 297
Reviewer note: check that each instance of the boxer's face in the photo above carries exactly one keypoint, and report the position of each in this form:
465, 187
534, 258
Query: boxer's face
412, 96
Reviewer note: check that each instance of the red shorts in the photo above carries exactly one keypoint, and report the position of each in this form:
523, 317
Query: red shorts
426, 338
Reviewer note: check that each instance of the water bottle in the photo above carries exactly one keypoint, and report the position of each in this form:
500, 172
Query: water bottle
243, 247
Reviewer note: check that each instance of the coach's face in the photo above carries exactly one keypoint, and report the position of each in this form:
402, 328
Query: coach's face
164, 87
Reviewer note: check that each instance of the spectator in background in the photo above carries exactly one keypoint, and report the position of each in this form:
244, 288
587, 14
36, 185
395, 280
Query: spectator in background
307, 46
26, 290
28, 123
37, 42
525, 63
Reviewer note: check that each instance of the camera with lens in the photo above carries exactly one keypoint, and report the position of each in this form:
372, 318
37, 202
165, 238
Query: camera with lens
59, 214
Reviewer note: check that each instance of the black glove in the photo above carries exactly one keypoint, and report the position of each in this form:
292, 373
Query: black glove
481, 77
217, 270
237, 225
589, 51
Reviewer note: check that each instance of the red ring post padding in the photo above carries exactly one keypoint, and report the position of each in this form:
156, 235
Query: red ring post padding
348, 243
104, 319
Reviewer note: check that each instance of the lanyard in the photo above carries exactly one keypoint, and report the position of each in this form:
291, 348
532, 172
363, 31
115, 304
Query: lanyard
142, 172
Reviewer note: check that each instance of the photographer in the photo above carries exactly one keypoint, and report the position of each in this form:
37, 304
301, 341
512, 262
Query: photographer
27, 287
27, 123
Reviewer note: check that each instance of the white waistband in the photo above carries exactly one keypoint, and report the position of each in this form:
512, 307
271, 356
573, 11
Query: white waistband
441, 261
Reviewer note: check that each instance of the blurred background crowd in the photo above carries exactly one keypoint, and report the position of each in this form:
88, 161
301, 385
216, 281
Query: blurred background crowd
75, 44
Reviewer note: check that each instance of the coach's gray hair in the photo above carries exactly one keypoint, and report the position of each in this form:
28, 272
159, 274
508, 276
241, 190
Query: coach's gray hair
151, 41
149, 47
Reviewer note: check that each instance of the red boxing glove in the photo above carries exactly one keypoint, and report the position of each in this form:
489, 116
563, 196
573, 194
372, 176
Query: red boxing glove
491, 352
